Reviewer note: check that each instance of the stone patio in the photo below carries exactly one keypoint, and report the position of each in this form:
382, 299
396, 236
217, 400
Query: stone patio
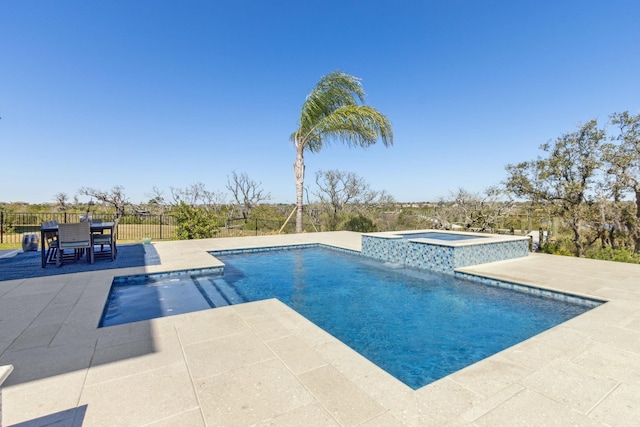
263, 364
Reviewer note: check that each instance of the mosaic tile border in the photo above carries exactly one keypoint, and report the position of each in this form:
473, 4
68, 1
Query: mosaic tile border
119, 280
283, 248
532, 290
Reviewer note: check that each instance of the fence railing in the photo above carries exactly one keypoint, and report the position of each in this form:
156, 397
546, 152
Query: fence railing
259, 226
13, 226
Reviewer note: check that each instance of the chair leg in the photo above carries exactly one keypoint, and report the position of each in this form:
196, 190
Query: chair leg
51, 255
59, 257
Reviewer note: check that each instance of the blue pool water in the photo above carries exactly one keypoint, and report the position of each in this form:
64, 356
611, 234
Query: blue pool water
417, 325
440, 236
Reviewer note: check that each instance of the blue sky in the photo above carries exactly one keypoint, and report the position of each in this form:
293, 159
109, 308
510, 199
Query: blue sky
144, 94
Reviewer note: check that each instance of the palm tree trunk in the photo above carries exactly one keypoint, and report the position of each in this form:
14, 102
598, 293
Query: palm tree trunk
298, 170
636, 226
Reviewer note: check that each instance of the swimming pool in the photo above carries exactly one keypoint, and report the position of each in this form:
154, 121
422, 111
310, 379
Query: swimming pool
418, 326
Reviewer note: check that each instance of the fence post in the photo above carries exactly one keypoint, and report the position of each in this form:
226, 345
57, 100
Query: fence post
1, 227
540, 238
256, 226
160, 226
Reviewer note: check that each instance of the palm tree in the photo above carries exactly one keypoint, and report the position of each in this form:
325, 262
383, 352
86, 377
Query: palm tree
332, 112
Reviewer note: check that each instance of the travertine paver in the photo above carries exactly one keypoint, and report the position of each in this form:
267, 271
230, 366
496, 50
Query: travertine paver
311, 415
250, 394
264, 364
620, 407
130, 358
348, 403
602, 359
219, 355
296, 354
528, 408
570, 384
141, 398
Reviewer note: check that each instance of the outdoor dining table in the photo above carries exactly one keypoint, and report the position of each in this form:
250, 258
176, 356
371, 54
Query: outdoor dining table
96, 227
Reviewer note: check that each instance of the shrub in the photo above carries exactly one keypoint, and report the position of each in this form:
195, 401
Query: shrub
610, 254
360, 224
556, 248
194, 222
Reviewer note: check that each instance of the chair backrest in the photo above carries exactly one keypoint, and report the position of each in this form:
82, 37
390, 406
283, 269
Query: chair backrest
96, 220
115, 228
74, 232
49, 234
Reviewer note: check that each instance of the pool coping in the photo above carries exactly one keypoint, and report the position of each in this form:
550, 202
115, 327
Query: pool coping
584, 371
482, 239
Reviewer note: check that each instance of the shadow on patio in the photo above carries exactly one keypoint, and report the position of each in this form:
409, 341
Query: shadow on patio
24, 265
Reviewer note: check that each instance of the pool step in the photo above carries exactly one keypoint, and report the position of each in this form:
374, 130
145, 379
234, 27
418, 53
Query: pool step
217, 291
210, 293
227, 291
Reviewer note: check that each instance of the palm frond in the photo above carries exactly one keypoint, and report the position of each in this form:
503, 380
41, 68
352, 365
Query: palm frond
332, 112
333, 91
358, 125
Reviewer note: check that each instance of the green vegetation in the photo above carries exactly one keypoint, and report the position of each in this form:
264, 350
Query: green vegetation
557, 248
590, 181
611, 254
360, 223
194, 223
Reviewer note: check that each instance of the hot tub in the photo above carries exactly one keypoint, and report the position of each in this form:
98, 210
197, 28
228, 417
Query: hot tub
442, 251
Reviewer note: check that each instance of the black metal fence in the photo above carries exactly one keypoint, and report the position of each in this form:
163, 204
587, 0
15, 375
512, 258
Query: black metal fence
13, 226
260, 226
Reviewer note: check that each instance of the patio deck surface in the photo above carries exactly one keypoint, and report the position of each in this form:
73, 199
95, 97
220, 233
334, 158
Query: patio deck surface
263, 364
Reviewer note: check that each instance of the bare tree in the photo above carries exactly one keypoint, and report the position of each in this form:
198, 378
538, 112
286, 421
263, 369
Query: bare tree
383, 199
157, 203
345, 194
197, 195
114, 197
337, 188
62, 201
156, 196
191, 195
473, 211
246, 192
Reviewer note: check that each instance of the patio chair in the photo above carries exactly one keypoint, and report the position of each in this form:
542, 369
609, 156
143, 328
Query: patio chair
106, 239
51, 238
75, 236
